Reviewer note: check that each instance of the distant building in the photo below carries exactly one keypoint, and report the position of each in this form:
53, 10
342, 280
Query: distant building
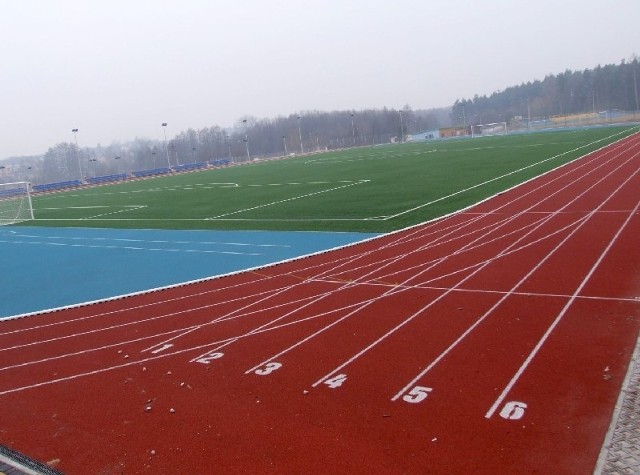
428, 135
448, 132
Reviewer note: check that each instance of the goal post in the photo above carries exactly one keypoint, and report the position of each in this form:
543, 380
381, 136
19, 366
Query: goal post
15, 203
496, 128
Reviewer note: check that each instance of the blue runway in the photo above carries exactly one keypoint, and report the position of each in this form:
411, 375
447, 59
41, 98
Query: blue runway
45, 268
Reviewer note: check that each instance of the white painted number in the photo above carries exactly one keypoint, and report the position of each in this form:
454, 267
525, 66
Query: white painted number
268, 368
162, 348
513, 410
206, 359
336, 381
417, 394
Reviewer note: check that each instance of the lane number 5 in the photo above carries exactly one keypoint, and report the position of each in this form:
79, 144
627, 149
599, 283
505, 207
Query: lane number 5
417, 394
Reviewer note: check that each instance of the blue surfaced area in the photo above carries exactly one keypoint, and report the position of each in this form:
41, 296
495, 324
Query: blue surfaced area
44, 268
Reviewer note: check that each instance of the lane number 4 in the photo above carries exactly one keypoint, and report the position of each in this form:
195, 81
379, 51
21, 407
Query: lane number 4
336, 381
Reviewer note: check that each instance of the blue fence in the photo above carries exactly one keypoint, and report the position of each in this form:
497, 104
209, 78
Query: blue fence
189, 166
10, 193
107, 178
220, 162
61, 185
152, 172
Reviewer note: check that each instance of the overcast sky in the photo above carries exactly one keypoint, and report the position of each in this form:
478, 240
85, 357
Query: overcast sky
117, 69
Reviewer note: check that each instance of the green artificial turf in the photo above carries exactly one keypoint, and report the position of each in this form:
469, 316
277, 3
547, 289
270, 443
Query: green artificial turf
375, 189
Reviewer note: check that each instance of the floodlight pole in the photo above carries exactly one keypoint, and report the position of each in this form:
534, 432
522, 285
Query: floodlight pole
284, 140
246, 138
353, 130
75, 136
401, 127
300, 134
164, 129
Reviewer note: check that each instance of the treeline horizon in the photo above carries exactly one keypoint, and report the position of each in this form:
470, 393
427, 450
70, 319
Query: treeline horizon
608, 87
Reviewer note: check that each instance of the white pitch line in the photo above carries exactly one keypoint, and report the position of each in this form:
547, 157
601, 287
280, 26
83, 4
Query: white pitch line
294, 198
415, 208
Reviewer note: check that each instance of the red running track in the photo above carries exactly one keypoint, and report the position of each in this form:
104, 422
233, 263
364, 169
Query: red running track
493, 341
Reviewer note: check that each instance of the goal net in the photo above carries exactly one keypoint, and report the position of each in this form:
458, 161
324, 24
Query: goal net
497, 128
15, 203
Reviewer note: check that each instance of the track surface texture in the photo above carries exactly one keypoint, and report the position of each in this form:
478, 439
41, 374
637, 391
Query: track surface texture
492, 341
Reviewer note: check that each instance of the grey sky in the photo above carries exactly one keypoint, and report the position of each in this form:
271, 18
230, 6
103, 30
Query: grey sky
117, 69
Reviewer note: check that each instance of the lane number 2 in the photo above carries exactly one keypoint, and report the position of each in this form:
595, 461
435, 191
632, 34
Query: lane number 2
206, 359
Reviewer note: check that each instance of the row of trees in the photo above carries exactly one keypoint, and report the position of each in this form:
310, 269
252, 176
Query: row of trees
250, 138
604, 88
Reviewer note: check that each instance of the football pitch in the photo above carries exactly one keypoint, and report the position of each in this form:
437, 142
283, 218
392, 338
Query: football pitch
377, 189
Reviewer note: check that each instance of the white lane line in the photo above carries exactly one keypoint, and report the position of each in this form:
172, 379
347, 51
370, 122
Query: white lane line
393, 289
416, 314
486, 314
555, 323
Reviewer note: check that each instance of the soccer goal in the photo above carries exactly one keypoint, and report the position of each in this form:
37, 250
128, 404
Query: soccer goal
15, 203
497, 128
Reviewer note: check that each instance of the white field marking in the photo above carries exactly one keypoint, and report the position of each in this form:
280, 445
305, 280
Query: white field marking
326, 294
378, 280
131, 248
294, 198
162, 348
151, 241
126, 209
555, 323
158, 189
392, 290
130, 323
496, 292
323, 296
86, 351
314, 300
464, 279
515, 287
75, 207
161, 303
158, 303
415, 208
147, 337
350, 260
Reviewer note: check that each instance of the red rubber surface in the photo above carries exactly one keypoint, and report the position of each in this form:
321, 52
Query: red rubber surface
492, 341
